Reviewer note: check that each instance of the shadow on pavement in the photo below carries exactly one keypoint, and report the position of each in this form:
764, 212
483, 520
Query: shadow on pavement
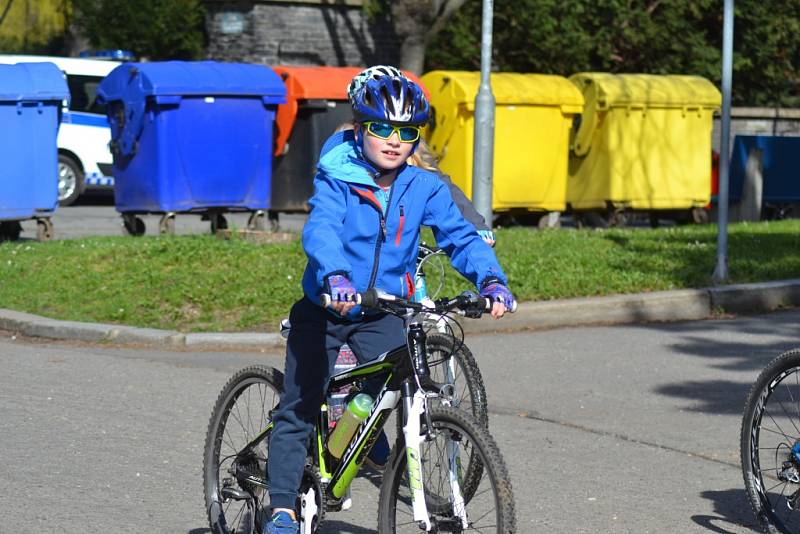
733, 509
721, 396
340, 527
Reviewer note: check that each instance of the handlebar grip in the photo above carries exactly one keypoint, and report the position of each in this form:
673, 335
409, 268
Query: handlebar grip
325, 300
369, 298
488, 305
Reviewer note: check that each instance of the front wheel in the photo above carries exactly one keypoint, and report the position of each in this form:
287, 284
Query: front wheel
770, 444
455, 440
235, 456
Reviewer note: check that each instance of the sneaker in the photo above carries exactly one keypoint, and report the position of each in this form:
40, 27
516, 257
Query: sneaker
378, 457
282, 523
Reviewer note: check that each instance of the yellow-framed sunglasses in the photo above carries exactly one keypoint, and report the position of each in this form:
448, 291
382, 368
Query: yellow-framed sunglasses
384, 130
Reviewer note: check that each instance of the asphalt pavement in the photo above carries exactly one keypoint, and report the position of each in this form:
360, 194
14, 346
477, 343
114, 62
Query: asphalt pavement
626, 428
605, 429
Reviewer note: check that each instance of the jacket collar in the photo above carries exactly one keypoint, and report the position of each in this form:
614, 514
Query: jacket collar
340, 159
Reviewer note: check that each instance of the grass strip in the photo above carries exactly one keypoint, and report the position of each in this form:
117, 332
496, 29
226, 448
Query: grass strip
200, 283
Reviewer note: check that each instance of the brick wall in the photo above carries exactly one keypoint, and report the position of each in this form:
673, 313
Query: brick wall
322, 32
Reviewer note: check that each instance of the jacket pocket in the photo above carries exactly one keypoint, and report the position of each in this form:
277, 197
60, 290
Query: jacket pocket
410, 287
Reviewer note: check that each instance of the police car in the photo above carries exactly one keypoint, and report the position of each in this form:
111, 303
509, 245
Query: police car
84, 159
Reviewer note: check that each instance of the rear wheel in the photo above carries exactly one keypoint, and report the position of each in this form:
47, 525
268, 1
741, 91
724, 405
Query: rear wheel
235, 456
455, 440
451, 362
70, 180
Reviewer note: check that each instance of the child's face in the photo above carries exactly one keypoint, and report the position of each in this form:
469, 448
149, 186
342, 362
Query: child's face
387, 154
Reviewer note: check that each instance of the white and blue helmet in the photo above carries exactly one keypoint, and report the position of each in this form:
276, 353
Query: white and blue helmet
394, 99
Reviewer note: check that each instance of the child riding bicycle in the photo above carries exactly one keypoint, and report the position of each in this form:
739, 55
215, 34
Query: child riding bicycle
363, 231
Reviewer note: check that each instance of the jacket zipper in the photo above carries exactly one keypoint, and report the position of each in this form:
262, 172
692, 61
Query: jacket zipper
380, 241
400, 227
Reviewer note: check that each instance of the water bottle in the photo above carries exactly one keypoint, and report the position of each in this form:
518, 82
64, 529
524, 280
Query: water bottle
356, 412
336, 400
420, 288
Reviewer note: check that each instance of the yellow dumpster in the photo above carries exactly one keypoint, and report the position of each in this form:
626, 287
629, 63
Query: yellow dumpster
643, 143
533, 118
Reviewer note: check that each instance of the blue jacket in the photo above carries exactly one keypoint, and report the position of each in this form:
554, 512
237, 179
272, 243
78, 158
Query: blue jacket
348, 232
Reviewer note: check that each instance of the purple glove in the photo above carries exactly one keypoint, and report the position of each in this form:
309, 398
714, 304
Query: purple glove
340, 288
494, 289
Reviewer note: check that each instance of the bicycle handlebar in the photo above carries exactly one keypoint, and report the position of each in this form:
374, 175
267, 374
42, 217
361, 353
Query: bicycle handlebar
466, 302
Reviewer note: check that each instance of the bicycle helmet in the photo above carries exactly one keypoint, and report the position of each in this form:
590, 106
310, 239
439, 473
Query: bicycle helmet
394, 99
370, 73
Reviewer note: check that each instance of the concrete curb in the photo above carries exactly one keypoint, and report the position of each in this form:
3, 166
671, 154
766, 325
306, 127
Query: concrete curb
678, 305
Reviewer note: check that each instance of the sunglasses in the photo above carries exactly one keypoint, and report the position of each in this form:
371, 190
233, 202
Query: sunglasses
383, 130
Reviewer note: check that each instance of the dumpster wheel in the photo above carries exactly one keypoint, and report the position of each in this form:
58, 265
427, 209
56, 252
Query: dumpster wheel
257, 221
10, 230
166, 226
699, 216
44, 230
218, 222
132, 225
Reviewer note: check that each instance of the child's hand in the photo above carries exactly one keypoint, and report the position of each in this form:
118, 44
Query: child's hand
487, 236
500, 295
342, 292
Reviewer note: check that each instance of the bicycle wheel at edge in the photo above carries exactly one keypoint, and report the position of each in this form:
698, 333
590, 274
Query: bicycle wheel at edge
491, 508
242, 411
770, 430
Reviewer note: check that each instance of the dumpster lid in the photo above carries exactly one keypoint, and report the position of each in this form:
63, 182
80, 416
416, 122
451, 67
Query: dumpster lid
651, 90
314, 83
331, 83
32, 81
198, 78
308, 83
507, 87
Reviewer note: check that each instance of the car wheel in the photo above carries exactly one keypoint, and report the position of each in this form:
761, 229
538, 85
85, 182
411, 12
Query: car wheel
70, 180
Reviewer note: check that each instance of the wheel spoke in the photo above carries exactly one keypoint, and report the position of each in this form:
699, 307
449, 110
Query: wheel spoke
450, 463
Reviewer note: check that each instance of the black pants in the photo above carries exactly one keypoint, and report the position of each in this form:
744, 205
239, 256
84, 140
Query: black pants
311, 352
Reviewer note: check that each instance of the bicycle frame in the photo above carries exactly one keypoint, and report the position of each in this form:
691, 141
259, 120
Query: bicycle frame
406, 378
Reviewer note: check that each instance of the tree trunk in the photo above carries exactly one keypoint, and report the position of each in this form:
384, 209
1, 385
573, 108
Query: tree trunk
416, 22
412, 54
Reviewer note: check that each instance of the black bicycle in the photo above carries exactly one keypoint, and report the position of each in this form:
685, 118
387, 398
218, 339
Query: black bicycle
445, 473
770, 444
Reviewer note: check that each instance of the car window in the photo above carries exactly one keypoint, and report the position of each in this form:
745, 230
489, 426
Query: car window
83, 92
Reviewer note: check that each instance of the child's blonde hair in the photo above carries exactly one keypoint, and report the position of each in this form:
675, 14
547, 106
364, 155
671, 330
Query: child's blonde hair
424, 158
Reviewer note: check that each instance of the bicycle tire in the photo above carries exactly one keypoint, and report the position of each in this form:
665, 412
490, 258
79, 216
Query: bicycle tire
469, 392
773, 406
450, 426
230, 428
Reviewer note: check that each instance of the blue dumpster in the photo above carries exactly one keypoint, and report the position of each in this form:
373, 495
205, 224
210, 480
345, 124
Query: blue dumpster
31, 97
191, 137
780, 170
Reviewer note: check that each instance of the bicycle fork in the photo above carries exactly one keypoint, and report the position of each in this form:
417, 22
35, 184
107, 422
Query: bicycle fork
414, 405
